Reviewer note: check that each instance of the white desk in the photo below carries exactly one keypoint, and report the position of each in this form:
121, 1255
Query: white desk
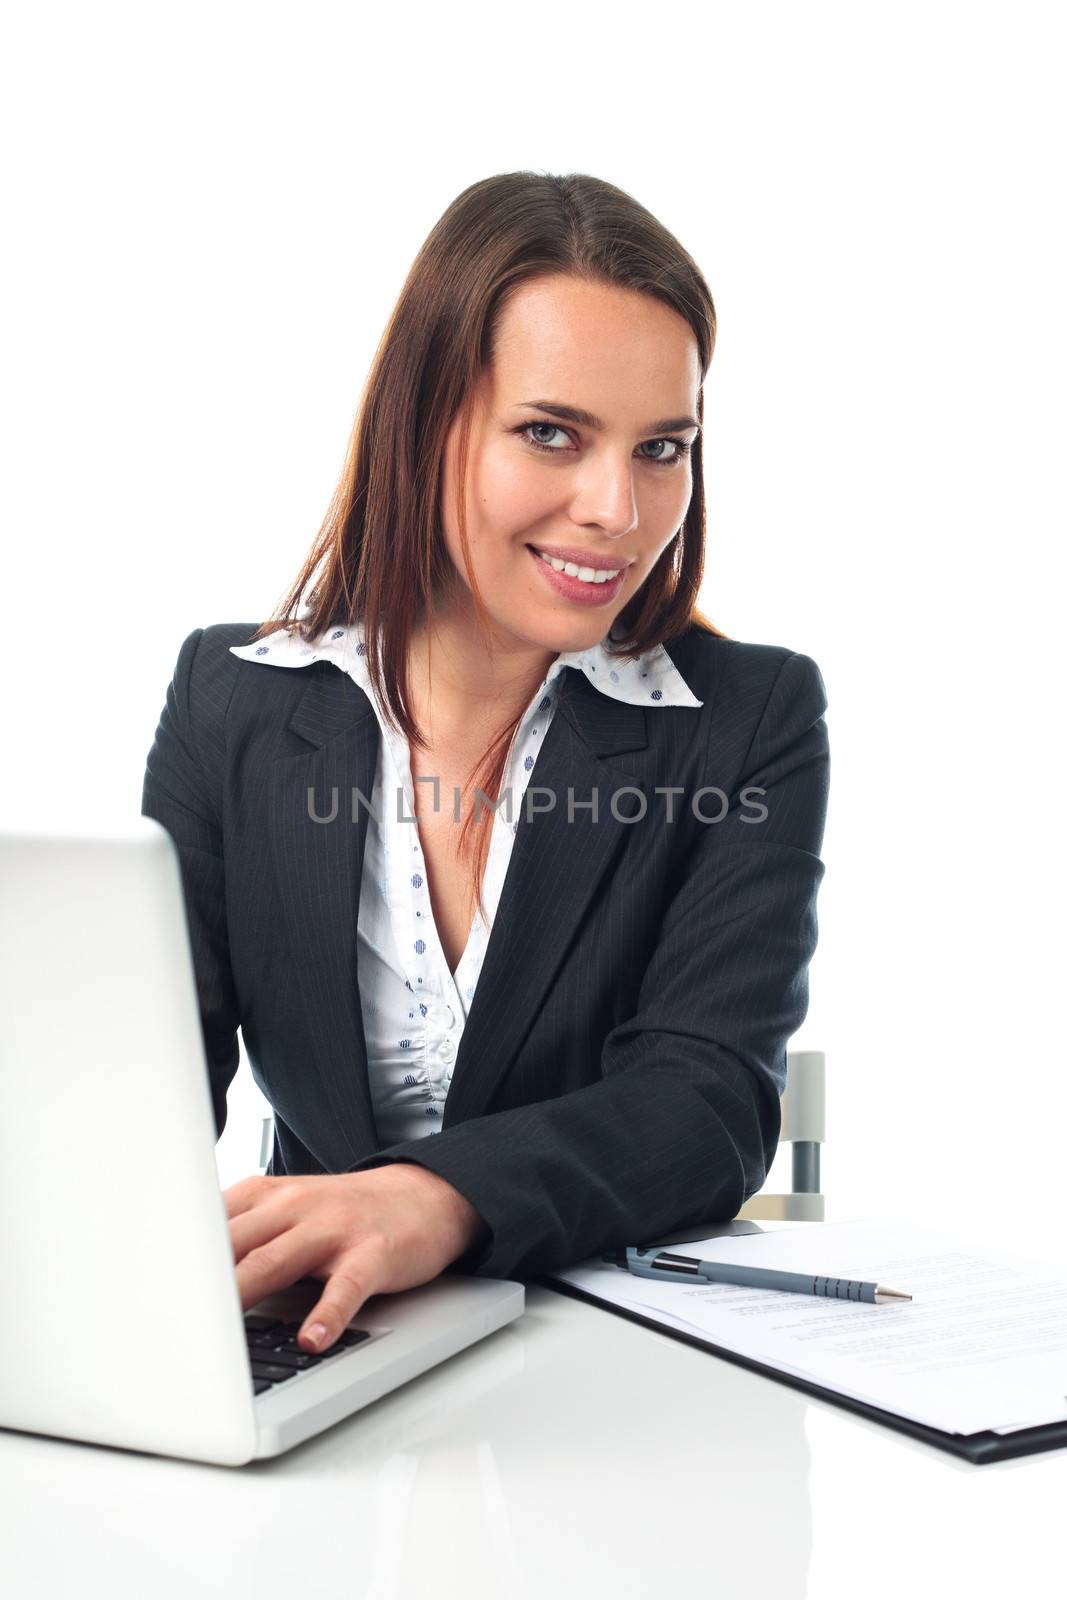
572, 1453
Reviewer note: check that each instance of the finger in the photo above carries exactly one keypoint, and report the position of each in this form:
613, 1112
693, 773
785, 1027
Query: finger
273, 1214
347, 1290
240, 1197
275, 1265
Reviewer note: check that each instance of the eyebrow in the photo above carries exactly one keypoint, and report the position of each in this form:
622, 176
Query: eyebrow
586, 419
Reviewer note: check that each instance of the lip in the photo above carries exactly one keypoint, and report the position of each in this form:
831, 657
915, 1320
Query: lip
583, 594
600, 561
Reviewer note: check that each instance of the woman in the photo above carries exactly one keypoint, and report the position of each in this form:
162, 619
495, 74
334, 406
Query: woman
515, 950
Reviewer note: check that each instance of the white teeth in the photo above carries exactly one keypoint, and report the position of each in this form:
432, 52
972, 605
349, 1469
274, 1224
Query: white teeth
586, 574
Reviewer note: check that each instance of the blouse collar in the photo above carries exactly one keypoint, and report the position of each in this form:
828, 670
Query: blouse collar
652, 679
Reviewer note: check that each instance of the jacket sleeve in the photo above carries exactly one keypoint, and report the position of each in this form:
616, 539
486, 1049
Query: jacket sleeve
177, 792
684, 1123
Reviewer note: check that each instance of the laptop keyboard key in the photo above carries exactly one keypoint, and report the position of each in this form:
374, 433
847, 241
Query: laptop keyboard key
273, 1373
296, 1359
256, 1323
265, 1341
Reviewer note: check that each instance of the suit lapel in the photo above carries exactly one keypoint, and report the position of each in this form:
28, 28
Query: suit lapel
554, 870
319, 867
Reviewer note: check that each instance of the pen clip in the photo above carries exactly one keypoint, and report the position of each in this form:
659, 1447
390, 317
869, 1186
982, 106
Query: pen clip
623, 1257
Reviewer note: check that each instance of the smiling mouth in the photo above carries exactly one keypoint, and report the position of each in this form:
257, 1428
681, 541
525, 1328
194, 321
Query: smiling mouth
586, 573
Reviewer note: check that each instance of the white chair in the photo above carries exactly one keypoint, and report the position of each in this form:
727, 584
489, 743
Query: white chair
804, 1127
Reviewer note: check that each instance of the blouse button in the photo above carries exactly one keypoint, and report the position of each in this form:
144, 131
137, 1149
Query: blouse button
446, 1049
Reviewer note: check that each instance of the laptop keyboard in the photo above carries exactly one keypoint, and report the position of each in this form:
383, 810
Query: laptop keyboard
274, 1351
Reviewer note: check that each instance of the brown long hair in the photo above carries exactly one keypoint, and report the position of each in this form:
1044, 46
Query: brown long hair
380, 555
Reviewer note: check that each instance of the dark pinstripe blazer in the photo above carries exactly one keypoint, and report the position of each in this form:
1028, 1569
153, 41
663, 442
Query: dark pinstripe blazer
619, 1074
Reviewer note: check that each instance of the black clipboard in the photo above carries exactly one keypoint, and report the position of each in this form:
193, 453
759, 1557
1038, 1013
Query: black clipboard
978, 1448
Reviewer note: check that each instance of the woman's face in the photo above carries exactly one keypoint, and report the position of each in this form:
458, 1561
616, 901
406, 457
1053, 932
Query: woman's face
611, 485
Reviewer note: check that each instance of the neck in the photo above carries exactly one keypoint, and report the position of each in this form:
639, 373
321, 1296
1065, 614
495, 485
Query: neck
464, 688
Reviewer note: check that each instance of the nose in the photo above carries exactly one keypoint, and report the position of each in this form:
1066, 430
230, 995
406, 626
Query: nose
606, 497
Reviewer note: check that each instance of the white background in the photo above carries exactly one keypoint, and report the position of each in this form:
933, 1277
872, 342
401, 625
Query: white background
210, 210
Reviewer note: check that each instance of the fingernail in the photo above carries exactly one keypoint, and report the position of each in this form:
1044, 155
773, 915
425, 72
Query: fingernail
315, 1334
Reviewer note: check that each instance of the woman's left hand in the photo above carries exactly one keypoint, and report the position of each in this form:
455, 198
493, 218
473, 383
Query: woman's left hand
365, 1233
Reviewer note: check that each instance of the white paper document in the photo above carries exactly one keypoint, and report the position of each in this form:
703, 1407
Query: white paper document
981, 1345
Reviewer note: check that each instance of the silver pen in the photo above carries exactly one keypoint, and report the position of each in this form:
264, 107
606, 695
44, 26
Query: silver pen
687, 1269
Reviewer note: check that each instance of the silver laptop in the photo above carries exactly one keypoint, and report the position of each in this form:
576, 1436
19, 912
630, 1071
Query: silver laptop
120, 1317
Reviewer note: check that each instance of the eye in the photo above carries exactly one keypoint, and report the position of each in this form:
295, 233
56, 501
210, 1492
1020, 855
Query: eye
681, 447
550, 426
681, 450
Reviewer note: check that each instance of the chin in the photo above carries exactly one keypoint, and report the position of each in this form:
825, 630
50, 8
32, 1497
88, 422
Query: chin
576, 636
